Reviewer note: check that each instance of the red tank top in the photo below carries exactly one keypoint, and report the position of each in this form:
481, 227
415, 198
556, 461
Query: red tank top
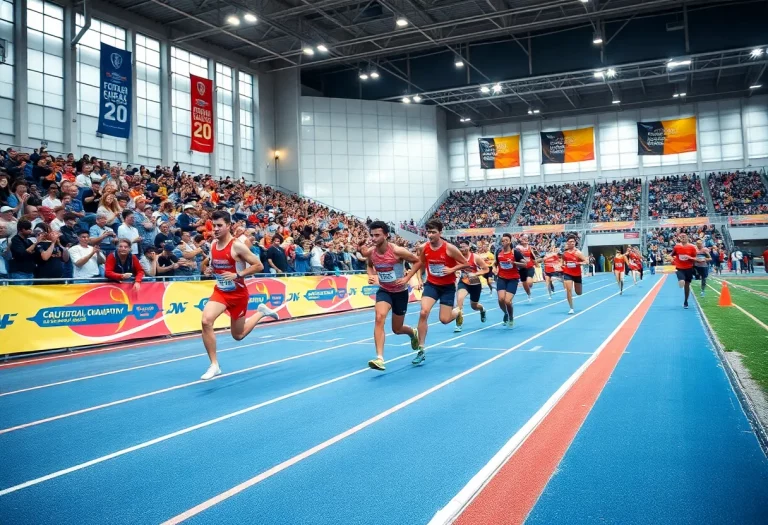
552, 263
527, 253
471, 269
221, 262
389, 268
634, 261
507, 268
684, 256
437, 260
572, 264
618, 264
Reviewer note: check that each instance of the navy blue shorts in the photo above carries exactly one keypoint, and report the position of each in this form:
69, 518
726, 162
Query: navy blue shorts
507, 285
446, 294
397, 300
527, 273
475, 290
554, 275
702, 271
574, 278
686, 274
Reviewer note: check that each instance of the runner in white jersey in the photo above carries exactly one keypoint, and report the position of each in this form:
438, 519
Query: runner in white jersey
385, 268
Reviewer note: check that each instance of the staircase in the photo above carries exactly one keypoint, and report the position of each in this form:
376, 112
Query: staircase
435, 206
520, 206
588, 205
644, 201
408, 235
707, 195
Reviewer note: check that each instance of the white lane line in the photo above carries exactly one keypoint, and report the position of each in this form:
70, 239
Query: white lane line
365, 424
534, 348
556, 352
204, 424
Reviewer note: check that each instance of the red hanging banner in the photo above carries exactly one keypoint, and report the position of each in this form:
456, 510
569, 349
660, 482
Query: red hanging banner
202, 114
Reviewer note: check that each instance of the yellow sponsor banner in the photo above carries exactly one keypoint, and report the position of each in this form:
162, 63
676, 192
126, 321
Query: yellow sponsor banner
49, 317
543, 228
677, 223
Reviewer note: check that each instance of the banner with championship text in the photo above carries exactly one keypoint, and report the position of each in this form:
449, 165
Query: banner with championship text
683, 222
666, 137
66, 316
115, 76
736, 220
618, 225
573, 145
499, 152
543, 228
202, 114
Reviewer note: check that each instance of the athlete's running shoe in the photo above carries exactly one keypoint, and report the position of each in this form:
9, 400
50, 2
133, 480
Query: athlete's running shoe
685, 305
510, 323
415, 339
506, 318
457, 329
377, 364
212, 372
420, 357
570, 312
460, 319
482, 316
268, 312
701, 294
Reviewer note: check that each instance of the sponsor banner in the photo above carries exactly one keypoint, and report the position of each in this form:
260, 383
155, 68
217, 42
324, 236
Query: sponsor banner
676, 223
115, 100
469, 232
499, 152
544, 228
618, 225
573, 145
47, 317
666, 137
631, 235
747, 219
202, 114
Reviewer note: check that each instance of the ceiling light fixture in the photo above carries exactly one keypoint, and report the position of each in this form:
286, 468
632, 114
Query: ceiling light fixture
233, 20
597, 39
459, 63
683, 94
497, 88
401, 22
322, 48
417, 98
755, 86
616, 101
674, 63
363, 76
611, 73
250, 17
599, 74
536, 111
485, 89
757, 52
464, 119
676, 95
309, 51
374, 75
406, 100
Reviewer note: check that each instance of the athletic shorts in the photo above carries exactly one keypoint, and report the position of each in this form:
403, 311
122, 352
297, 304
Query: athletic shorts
702, 271
575, 278
397, 300
527, 273
554, 275
685, 274
475, 290
446, 294
620, 273
236, 303
507, 285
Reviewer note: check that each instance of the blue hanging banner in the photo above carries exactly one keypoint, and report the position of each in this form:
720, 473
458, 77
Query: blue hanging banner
115, 97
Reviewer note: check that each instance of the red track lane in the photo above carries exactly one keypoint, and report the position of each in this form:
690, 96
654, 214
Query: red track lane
511, 494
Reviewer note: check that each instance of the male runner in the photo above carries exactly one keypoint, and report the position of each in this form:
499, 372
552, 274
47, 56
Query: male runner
228, 261
572, 261
619, 261
469, 282
553, 268
509, 262
634, 263
442, 260
485, 252
527, 272
385, 268
701, 265
685, 255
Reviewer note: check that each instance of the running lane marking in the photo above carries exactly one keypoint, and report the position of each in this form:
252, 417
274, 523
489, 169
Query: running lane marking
742, 310
194, 511
506, 489
225, 417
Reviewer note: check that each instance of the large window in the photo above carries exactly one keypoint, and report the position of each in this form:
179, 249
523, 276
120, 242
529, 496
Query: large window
456, 152
245, 89
184, 63
720, 132
224, 127
756, 121
89, 90
6, 73
148, 101
618, 141
45, 61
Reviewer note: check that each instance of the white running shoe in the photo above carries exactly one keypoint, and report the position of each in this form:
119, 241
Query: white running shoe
570, 312
530, 299
212, 372
268, 312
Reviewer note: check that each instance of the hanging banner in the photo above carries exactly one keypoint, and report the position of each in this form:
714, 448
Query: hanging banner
748, 219
631, 235
573, 145
677, 223
499, 152
666, 137
48, 317
618, 225
115, 102
544, 228
202, 114
470, 232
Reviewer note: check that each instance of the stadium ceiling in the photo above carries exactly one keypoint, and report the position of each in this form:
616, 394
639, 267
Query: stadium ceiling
364, 35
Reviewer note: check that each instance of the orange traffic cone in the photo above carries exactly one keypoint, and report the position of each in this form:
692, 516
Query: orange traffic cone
725, 295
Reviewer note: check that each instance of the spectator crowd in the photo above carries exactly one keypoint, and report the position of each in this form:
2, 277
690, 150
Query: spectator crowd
676, 196
738, 193
560, 204
617, 201
478, 208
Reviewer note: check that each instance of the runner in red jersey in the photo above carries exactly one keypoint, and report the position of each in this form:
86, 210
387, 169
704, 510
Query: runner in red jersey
684, 255
572, 261
508, 262
527, 272
553, 268
442, 260
619, 262
385, 268
634, 263
469, 282
230, 294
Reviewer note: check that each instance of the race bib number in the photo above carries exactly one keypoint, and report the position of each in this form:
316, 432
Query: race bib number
472, 279
436, 269
506, 265
225, 285
683, 257
700, 256
570, 264
387, 277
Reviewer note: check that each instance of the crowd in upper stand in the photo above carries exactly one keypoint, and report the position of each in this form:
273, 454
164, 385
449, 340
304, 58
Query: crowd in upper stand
479, 208
676, 196
557, 204
617, 201
666, 238
738, 193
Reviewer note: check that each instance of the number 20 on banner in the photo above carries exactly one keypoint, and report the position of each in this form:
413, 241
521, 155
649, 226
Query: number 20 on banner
116, 112
202, 131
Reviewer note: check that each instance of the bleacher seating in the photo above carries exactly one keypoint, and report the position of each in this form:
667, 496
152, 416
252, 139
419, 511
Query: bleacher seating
738, 193
478, 208
617, 201
676, 196
556, 204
